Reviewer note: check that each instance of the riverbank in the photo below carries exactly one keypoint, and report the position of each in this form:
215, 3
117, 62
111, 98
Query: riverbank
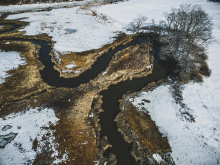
149, 146
71, 106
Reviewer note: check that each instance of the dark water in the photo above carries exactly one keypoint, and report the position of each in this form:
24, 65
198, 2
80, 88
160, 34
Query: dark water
110, 96
51, 76
111, 108
15, 26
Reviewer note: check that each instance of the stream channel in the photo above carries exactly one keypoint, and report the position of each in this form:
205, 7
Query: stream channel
110, 96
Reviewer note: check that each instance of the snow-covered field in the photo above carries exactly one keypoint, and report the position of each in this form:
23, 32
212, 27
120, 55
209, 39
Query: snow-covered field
73, 29
30, 125
9, 60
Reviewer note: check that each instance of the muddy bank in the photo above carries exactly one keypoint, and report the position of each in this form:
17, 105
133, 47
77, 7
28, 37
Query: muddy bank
137, 128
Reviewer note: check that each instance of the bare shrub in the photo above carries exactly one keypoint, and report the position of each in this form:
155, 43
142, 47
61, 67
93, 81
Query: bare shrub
137, 23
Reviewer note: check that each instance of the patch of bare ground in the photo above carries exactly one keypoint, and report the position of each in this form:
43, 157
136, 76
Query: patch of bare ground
25, 80
138, 128
84, 60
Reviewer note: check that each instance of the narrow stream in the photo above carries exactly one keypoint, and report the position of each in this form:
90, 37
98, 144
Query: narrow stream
110, 96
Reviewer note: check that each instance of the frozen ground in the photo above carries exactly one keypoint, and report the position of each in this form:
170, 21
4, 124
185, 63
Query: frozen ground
28, 126
9, 60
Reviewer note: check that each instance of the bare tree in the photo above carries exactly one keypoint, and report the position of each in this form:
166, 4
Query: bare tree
137, 23
184, 31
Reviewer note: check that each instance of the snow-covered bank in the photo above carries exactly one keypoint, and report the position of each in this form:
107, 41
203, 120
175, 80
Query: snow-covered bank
87, 31
9, 60
29, 126
191, 143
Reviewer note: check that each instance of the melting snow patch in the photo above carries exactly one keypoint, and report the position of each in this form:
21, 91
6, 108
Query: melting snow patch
191, 142
157, 157
91, 115
26, 126
96, 162
72, 65
149, 66
104, 73
9, 60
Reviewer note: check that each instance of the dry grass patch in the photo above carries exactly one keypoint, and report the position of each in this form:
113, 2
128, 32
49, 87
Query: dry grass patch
74, 141
134, 57
146, 130
26, 79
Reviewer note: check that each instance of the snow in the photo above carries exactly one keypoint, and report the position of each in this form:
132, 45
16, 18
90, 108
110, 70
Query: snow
191, 142
149, 66
9, 60
71, 65
125, 12
104, 73
157, 157
28, 126
90, 32
91, 115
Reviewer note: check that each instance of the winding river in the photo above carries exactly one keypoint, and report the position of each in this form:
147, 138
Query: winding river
110, 96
